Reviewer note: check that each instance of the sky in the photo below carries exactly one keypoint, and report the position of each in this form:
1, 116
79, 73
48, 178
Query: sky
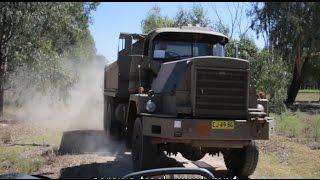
111, 18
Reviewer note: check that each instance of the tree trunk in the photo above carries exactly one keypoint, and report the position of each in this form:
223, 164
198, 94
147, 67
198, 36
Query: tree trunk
1, 88
2, 72
296, 82
1, 102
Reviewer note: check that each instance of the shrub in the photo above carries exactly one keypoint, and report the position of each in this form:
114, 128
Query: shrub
288, 124
317, 128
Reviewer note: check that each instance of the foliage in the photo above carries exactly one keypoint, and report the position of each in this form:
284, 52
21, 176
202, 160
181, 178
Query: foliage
311, 77
43, 41
196, 16
270, 77
247, 48
155, 20
293, 29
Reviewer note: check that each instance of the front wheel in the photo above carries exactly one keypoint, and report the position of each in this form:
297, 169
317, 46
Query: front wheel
242, 162
193, 154
143, 151
128, 137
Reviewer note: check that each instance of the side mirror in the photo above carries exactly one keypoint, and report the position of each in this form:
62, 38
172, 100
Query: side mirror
164, 172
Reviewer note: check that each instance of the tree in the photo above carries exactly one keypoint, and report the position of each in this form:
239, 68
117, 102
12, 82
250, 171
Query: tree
155, 20
196, 16
272, 78
293, 29
36, 42
235, 28
181, 18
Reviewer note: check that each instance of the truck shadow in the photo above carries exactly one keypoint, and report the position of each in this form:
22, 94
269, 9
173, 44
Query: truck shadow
218, 173
98, 142
87, 141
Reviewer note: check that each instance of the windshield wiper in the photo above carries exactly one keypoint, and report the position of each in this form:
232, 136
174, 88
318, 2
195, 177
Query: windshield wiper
180, 57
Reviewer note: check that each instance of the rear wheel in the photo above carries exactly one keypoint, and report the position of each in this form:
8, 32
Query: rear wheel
242, 162
143, 151
112, 127
107, 116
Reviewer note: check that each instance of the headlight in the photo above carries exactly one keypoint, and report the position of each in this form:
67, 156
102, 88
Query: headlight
150, 106
259, 106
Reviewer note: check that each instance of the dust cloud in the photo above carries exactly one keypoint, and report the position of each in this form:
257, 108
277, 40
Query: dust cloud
83, 110
79, 119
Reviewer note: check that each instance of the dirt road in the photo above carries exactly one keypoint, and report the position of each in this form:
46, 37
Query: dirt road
113, 159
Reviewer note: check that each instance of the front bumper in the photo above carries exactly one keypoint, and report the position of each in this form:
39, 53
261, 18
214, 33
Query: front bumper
199, 131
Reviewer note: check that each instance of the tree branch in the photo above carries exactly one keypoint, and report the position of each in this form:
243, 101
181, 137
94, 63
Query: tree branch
240, 19
220, 21
232, 22
3, 26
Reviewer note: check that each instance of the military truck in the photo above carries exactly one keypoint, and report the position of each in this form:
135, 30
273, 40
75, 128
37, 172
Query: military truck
173, 91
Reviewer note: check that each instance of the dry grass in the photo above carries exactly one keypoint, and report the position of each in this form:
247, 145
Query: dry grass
309, 91
15, 159
21, 147
308, 96
298, 162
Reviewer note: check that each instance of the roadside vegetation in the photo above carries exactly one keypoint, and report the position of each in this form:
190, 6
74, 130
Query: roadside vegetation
41, 45
22, 147
282, 158
298, 124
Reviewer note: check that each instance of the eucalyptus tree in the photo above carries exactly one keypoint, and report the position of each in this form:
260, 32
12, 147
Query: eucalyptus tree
293, 29
36, 41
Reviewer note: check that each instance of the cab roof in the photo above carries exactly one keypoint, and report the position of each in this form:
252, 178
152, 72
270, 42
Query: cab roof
187, 29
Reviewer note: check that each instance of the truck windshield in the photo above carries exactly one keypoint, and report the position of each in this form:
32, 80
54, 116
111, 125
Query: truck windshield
175, 50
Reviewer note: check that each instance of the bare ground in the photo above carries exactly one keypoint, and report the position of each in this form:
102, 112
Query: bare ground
91, 153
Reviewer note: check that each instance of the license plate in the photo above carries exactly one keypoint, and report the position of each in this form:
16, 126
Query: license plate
222, 125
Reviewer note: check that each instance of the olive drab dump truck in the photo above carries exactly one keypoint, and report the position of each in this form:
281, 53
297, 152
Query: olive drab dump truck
172, 90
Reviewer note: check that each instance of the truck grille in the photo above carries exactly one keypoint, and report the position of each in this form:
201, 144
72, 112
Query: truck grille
221, 93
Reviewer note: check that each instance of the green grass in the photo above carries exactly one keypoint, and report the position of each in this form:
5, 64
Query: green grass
288, 124
317, 128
